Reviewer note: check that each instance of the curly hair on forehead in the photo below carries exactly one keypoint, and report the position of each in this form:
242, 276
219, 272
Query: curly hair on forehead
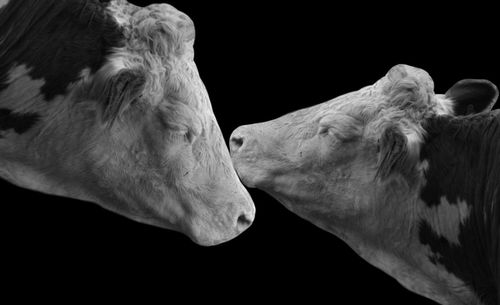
406, 99
157, 37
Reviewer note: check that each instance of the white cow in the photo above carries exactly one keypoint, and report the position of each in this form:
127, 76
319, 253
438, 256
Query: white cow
102, 101
409, 179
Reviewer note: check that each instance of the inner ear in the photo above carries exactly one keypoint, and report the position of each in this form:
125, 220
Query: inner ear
398, 153
116, 92
471, 96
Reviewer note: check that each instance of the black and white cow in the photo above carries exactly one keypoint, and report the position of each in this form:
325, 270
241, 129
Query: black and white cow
408, 178
102, 101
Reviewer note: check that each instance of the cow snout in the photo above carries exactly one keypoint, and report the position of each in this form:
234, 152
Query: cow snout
221, 227
242, 139
237, 140
244, 221
247, 154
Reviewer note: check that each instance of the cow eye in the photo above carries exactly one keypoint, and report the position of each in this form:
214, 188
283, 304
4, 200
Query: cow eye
323, 130
340, 127
189, 136
327, 128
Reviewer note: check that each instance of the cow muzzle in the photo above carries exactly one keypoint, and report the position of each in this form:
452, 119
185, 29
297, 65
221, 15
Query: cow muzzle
247, 145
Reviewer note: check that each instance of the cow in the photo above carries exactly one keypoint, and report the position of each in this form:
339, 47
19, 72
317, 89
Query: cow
409, 179
102, 101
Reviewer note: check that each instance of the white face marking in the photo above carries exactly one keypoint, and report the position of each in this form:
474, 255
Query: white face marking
444, 105
445, 219
122, 11
149, 24
3, 3
415, 139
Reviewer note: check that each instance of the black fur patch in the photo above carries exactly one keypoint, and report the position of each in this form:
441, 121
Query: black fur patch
464, 164
56, 40
19, 122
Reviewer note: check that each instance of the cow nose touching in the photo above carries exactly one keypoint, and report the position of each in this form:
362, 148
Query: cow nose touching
242, 140
236, 141
246, 149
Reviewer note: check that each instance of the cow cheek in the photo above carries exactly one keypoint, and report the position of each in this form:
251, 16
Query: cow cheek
189, 171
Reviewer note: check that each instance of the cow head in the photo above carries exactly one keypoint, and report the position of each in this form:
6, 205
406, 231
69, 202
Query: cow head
338, 164
353, 167
135, 134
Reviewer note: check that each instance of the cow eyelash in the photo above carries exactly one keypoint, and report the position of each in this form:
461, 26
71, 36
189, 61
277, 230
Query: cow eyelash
189, 136
323, 130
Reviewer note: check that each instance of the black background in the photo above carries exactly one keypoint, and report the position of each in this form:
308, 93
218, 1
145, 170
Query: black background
258, 60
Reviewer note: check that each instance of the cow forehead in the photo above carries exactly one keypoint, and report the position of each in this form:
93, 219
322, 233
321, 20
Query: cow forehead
158, 39
383, 86
401, 72
405, 95
131, 17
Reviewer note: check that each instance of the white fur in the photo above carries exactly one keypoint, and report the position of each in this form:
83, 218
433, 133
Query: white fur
160, 34
444, 106
415, 138
121, 11
445, 218
22, 93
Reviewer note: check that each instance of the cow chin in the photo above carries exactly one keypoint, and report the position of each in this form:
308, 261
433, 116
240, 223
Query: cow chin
269, 177
250, 175
213, 228
208, 216
204, 229
218, 213
208, 235
258, 169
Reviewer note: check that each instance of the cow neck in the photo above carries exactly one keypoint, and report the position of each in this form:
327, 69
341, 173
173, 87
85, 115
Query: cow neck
463, 176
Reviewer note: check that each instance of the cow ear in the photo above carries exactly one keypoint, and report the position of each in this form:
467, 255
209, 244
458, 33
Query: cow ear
398, 153
116, 92
472, 96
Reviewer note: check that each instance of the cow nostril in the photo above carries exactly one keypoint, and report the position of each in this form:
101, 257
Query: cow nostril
235, 143
238, 141
243, 221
